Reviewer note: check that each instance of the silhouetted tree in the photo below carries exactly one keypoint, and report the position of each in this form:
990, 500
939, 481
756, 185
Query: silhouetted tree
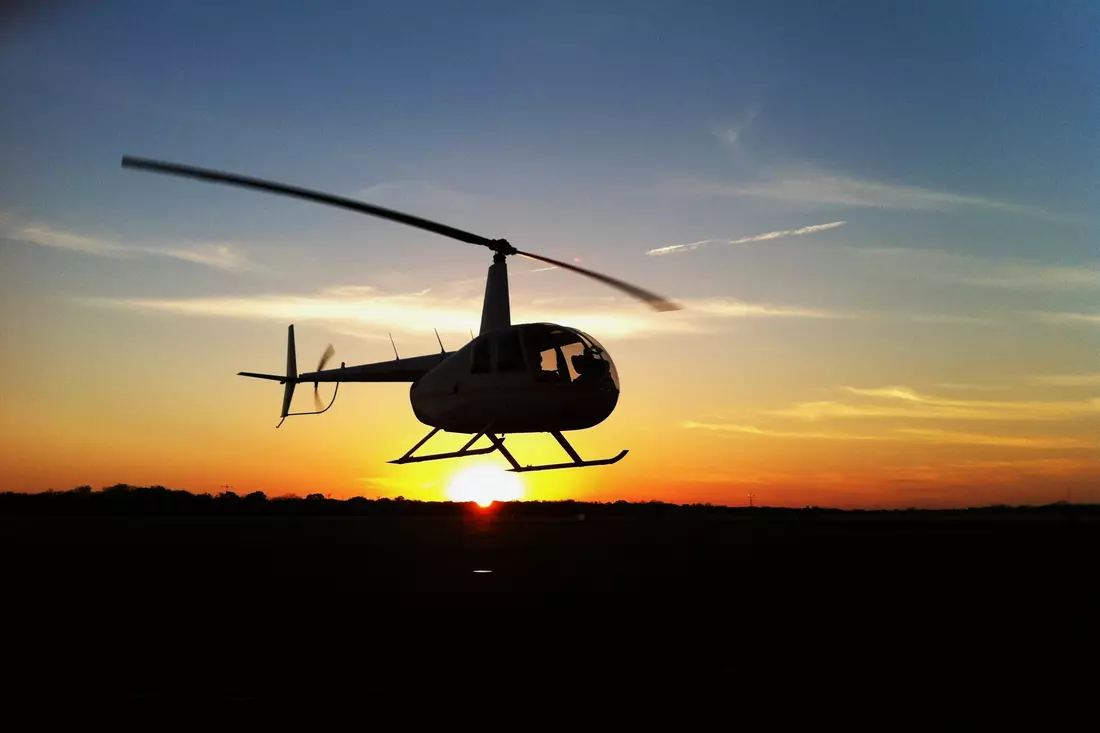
126, 500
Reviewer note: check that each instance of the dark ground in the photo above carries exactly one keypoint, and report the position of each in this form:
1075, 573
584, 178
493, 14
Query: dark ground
145, 600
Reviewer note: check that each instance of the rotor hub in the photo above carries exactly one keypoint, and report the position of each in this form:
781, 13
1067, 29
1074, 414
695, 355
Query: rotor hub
502, 247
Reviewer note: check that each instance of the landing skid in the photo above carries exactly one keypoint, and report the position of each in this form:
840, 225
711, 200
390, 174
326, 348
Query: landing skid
498, 445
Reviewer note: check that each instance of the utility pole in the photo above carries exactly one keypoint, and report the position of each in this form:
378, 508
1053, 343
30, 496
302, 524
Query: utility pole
751, 497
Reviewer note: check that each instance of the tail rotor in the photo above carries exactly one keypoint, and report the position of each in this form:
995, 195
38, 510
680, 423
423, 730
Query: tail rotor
329, 351
290, 380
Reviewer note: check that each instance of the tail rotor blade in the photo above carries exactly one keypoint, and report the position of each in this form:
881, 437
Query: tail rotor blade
654, 301
329, 351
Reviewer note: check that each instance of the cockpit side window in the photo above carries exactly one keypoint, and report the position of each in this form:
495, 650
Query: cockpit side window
547, 362
570, 352
479, 364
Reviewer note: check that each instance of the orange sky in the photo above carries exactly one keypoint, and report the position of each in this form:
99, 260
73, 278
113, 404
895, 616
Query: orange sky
158, 402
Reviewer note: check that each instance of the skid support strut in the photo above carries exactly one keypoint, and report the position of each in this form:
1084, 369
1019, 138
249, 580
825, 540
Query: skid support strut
577, 461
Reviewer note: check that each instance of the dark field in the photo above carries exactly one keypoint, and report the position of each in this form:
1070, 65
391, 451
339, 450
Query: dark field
248, 598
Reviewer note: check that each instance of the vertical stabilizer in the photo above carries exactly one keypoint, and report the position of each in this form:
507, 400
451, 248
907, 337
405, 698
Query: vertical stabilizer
291, 356
496, 311
291, 371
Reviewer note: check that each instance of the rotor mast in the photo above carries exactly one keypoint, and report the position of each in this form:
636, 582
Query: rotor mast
496, 310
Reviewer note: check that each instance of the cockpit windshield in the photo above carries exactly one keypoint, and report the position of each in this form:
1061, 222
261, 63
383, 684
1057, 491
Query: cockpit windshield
601, 353
565, 356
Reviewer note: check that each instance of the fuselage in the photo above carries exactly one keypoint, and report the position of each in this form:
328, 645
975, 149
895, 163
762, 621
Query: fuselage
524, 378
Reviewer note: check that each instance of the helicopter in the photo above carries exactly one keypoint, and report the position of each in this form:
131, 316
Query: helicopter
510, 378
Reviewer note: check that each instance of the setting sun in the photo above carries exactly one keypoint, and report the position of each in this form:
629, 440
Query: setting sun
484, 485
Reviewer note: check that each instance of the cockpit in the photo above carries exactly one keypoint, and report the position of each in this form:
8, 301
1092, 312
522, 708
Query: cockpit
549, 353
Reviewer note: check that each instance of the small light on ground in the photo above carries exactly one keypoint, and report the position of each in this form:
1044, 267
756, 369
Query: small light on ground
483, 571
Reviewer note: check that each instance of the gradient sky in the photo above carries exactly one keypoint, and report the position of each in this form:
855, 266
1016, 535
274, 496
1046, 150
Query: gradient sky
880, 217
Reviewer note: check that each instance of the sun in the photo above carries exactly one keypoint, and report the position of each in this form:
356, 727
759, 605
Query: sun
485, 484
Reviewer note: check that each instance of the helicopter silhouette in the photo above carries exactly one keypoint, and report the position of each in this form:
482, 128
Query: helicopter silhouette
511, 378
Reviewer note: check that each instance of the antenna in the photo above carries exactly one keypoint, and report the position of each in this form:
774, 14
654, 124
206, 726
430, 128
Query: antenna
395, 356
441, 349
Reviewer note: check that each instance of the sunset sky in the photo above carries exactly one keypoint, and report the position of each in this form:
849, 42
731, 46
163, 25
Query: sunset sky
881, 219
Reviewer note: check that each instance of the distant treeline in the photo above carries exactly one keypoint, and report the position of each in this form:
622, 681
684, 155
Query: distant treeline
126, 500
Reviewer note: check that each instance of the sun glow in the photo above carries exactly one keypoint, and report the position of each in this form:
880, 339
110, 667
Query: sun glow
484, 485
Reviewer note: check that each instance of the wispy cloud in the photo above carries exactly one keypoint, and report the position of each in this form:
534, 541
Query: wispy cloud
1033, 466
772, 433
911, 435
1089, 379
903, 402
391, 484
824, 410
400, 312
341, 291
1068, 380
971, 387
1018, 276
357, 310
948, 318
1068, 319
363, 308
779, 234
1046, 442
218, 255
968, 270
817, 187
46, 236
732, 308
945, 483
730, 134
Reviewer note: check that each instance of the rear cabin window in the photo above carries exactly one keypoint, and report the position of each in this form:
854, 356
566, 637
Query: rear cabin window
480, 361
510, 353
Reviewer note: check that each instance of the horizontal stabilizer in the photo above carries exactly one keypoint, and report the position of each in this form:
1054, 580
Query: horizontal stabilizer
273, 377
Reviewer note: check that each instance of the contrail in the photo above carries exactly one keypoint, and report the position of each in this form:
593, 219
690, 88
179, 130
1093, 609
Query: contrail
745, 240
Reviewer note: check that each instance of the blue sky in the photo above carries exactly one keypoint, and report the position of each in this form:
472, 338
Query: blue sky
575, 127
953, 149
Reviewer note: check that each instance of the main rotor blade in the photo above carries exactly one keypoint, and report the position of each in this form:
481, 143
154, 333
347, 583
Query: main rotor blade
497, 245
205, 174
656, 302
